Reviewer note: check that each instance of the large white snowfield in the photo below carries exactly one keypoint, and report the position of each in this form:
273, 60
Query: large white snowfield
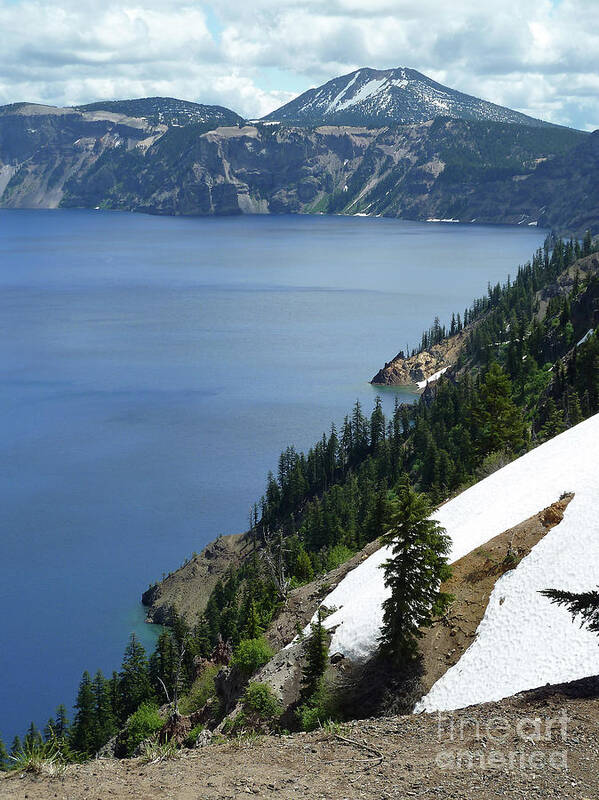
524, 641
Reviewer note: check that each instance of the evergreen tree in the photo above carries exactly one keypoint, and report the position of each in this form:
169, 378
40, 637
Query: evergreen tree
418, 565
105, 720
134, 684
61, 723
33, 738
253, 628
317, 657
584, 605
497, 418
163, 663
16, 748
359, 428
303, 567
114, 683
49, 732
83, 732
377, 425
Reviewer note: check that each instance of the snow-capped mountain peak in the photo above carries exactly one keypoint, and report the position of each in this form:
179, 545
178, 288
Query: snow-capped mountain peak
395, 96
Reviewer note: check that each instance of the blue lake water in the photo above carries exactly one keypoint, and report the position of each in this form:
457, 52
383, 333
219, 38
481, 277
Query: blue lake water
152, 370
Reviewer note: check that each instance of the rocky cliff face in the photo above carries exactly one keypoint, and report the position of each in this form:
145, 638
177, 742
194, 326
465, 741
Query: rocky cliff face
423, 366
41, 148
466, 170
442, 169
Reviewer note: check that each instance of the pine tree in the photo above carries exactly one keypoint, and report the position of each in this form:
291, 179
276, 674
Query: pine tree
554, 421
583, 604
303, 569
83, 732
61, 722
16, 748
163, 663
33, 737
105, 721
134, 685
201, 638
49, 732
359, 429
497, 418
418, 565
253, 627
377, 425
317, 657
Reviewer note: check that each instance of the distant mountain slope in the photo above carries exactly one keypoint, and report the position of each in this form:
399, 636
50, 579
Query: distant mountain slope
449, 168
167, 111
467, 170
373, 97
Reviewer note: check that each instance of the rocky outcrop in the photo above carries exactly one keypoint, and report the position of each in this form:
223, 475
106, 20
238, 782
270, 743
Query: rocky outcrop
402, 371
409, 370
187, 590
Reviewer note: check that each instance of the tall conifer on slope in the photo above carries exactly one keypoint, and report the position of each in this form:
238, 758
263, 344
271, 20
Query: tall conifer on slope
83, 732
105, 721
134, 679
16, 747
317, 657
61, 722
417, 566
33, 737
497, 418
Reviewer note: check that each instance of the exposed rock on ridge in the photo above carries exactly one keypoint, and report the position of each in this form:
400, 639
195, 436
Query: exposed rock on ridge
187, 589
415, 369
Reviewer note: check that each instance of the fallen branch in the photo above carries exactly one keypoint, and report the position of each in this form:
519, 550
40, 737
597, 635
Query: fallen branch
378, 756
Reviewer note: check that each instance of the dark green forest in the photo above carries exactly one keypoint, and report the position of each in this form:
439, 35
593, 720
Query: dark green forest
529, 369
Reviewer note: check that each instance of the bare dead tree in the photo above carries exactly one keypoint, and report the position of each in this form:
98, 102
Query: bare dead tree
273, 555
174, 703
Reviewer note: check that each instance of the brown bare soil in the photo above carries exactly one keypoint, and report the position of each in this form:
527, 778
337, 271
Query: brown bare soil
480, 753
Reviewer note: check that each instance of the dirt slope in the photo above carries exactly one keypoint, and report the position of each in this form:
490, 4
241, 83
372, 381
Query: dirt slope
488, 758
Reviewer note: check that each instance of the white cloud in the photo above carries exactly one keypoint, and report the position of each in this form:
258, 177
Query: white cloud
534, 55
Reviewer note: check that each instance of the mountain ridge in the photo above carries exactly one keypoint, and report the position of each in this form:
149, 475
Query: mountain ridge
399, 95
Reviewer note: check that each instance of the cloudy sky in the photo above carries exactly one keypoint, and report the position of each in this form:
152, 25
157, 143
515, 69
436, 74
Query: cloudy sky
538, 56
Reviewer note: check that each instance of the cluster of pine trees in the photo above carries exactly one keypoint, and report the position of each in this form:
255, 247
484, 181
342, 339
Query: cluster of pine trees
102, 707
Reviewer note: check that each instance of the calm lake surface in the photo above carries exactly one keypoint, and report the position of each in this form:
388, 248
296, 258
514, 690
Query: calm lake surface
153, 369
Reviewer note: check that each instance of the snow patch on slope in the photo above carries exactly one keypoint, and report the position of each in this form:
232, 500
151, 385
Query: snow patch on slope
434, 377
370, 89
523, 641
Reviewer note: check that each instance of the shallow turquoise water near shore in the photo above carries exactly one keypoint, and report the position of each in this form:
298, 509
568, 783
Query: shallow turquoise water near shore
153, 369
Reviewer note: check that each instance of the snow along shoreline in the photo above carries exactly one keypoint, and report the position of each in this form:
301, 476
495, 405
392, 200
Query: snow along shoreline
523, 641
